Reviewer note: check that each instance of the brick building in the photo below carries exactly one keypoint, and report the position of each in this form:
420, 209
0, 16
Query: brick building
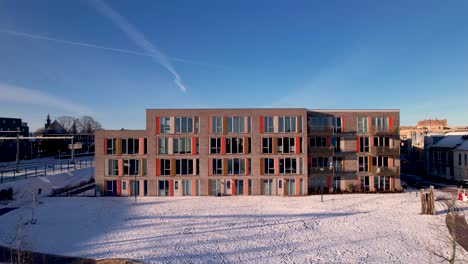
250, 152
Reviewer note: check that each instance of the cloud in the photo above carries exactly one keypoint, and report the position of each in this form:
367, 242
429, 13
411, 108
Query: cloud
10, 93
140, 40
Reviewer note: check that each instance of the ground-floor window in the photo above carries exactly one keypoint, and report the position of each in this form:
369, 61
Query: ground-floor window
239, 187
337, 183
290, 186
267, 186
365, 183
382, 183
163, 187
111, 188
134, 187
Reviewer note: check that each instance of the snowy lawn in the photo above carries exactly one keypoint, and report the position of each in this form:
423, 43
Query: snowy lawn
358, 228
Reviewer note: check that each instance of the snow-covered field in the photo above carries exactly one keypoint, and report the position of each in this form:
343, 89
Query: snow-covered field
358, 228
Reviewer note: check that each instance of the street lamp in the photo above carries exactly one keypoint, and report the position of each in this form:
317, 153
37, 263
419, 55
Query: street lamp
134, 186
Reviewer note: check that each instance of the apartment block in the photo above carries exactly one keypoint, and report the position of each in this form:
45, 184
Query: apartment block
191, 152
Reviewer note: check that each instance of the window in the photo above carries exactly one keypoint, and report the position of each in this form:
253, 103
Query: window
234, 145
459, 159
380, 124
319, 122
165, 126
299, 120
286, 145
215, 145
217, 124
319, 162
268, 124
287, 124
380, 161
338, 164
184, 124
163, 145
317, 142
362, 124
166, 167
363, 163
184, 166
249, 124
363, 144
217, 167
269, 166
186, 187
235, 124
124, 185
336, 144
381, 141
130, 146
337, 124
267, 145
288, 165
111, 146
182, 145
236, 166
134, 167
112, 167
466, 160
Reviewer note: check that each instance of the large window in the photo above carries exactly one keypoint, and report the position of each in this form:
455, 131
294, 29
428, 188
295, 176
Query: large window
163, 145
286, 145
184, 166
380, 124
130, 146
166, 167
380, 161
165, 125
217, 167
112, 167
319, 122
268, 124
363, 163
217, 124
184, 124
381, 141
363, 124
236, 166
363, 144
236, 124
134, 167
337, 124
182, 146
287, 124
287, 165
111, 144
317, 142
319, 162
215, 145
269, 166
267, 145
234, 145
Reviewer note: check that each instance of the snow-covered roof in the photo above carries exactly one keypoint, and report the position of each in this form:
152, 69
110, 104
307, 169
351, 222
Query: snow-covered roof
450, 141
457, 133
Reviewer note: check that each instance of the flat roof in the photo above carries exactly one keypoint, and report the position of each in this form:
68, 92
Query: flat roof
354, 110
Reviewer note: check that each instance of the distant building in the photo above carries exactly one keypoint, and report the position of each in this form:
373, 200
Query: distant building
433, 123
8, 147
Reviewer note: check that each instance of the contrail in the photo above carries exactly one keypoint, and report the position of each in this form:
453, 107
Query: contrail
94, 46
140, 40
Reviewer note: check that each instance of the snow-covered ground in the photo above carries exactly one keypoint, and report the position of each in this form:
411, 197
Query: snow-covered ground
23, 189
357, 228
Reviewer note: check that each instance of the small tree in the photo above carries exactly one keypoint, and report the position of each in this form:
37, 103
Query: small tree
88, 125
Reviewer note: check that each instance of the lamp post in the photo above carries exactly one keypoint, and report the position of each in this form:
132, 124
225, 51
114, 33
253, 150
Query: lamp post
134, 186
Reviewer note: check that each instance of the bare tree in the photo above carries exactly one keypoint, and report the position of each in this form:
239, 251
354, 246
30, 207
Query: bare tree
66, 122
88, 125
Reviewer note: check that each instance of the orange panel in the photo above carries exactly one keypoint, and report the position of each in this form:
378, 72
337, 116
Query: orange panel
233, 187
369, 122
173, 169
358, 147
171, 187
262, 161
298, 145
390, 123
277, 169
141, 146
246, 145
120, 166
246, 187
158, 125
118, 187
298, 186
194, 146
158, 167
223, 145
261, 125
275, 145
342, 124
224, 125
246, 124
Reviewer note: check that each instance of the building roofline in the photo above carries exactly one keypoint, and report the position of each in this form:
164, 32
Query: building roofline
354, 110
233, 108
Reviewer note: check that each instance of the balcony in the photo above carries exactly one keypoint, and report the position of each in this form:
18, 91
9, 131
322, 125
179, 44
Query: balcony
383, 132
320, 171
321, 151
384, 151
386, 171
320, 130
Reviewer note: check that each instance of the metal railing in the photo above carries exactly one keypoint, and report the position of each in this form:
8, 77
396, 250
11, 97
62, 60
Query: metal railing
384, 151
386, 171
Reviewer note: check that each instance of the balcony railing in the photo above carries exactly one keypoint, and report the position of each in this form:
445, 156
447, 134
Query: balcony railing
383, 132
386, 171
321, 151
320, 130
320, 171
384, 151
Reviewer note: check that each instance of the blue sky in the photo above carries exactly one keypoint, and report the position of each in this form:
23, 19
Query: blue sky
114, 59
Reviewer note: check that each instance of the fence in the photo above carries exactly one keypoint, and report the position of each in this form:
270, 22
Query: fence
47, 168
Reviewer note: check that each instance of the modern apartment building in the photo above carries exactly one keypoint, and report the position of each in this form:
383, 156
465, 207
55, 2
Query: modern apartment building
250, 152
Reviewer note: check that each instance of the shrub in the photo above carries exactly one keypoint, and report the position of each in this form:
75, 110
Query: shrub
6, 194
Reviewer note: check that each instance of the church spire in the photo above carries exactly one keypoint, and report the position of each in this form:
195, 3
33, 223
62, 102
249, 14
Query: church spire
47, 124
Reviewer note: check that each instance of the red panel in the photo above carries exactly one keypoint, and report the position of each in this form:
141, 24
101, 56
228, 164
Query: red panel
342, 124
194, 187
157, 125
246, 187
194, 146
233, 187
298, 186
141, 146
276, 166
369, 123
261, 125
328, 141
298, 145
105, 146
210, 167
158, 167
120, 166
329, 182
246, 167
171, 187
223, 145
392, 183
118, 187
390, 123
357, 144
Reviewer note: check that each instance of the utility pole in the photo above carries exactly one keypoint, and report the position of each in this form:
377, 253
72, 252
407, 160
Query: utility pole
72, 151
17, 149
